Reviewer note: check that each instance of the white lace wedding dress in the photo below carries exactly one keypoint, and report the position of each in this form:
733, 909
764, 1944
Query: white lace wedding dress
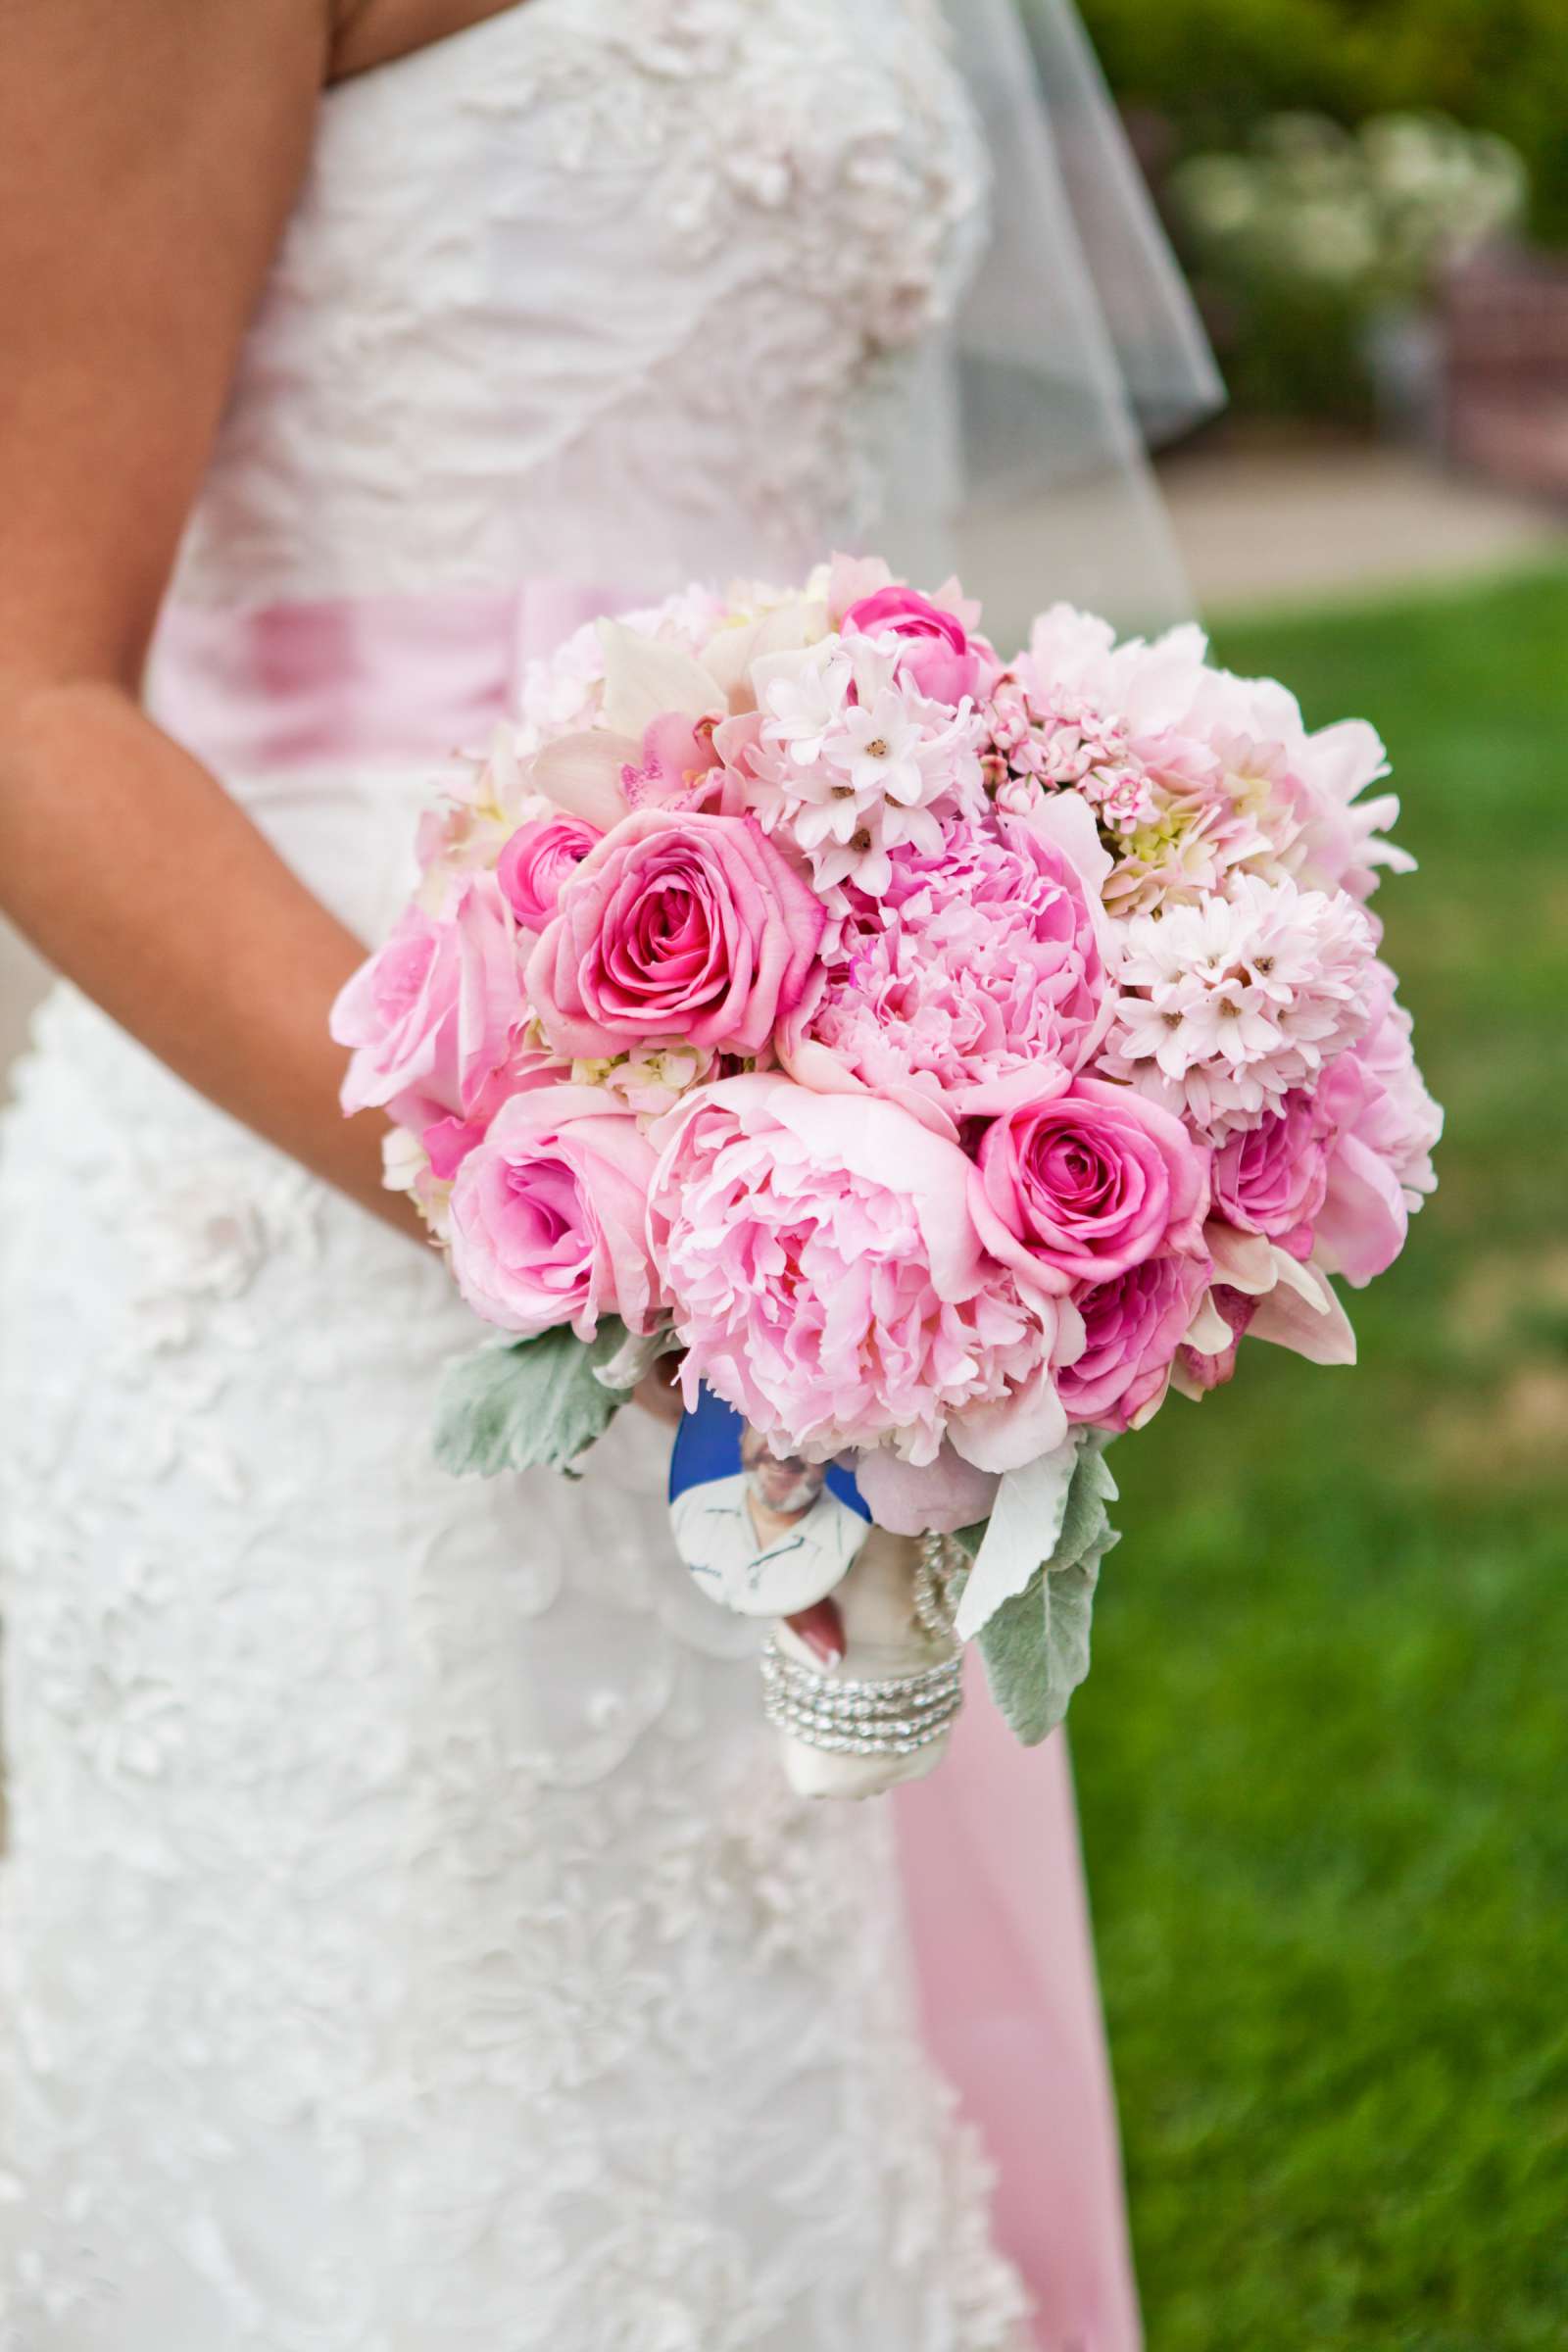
408, 1944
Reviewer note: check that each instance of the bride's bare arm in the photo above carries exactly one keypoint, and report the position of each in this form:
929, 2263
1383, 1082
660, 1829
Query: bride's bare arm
149, 151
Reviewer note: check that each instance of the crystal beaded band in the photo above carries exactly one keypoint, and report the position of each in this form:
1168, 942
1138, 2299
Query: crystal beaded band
888, 1718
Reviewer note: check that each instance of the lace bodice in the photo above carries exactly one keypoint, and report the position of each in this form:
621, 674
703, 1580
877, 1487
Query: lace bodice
633, 290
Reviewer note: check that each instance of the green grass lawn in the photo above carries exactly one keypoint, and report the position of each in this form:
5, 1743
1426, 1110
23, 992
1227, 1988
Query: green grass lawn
1323, 1754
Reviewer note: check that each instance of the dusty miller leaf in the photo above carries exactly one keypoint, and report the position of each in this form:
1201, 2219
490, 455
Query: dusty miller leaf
535, 1404
1036, 1644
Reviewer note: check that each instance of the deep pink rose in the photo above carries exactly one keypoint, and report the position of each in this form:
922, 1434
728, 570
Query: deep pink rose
538, 860
433, 1016
677, 925
1273, 1178
1133, 1326
1087, 1184
549, 1220
938, 656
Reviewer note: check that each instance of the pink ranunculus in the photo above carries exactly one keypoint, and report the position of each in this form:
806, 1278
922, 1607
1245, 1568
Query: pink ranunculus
938, 655
977, 981
677, 925
433, 1016
1132, 1327
1089, 1183
1272, 1179
550, 1217
830, 1285
537, 862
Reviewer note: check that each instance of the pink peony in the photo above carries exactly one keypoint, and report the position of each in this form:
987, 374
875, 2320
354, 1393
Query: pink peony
975, 983
549, 1217
538, 861
1133, 1326
676, 926
935, 651
433, 1016
1273, 1178
1087, 1184
831, 1285
1380, 1166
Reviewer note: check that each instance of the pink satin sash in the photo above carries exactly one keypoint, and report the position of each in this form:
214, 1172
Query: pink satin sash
989, 1843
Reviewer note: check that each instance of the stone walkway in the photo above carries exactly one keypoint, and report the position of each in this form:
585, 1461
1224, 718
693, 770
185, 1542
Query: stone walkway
1292, 529
1299, 528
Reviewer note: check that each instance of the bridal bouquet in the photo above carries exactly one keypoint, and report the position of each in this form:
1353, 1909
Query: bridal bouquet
949, 1056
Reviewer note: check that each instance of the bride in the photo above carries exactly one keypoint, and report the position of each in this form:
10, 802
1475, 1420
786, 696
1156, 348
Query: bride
407, 1942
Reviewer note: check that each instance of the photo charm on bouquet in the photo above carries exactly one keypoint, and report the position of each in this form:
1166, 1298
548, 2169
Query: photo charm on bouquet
949, 1056
764, 1535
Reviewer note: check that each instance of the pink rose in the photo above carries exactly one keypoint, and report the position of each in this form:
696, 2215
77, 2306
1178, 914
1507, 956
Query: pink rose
1272, 1179
549, 1219
537, 862
1133, 1326
1087, 1184
433, 1016
938, 655
831, 1285
676, 925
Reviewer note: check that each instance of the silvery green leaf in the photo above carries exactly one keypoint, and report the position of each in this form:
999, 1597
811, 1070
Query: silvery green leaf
1036, 1643
535, 1404
1024, 1527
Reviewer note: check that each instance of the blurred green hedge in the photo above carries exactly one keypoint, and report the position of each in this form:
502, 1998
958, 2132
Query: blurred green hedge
1212, 67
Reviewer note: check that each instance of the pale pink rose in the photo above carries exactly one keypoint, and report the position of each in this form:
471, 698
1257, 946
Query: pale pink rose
433, 1016
448, 1142
550, 1217
676, 926
1272, 1179
1380, 1166
537, 862
830, 1283
977, 981
1133, 1326
1089, 1183
936, 650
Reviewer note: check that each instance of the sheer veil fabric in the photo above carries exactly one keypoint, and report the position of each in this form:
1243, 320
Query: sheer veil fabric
406, 1941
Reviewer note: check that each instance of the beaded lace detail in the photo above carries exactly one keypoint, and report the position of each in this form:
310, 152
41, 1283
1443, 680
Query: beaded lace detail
673, 272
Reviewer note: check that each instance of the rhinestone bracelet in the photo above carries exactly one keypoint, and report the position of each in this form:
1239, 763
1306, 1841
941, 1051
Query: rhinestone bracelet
893, 1717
